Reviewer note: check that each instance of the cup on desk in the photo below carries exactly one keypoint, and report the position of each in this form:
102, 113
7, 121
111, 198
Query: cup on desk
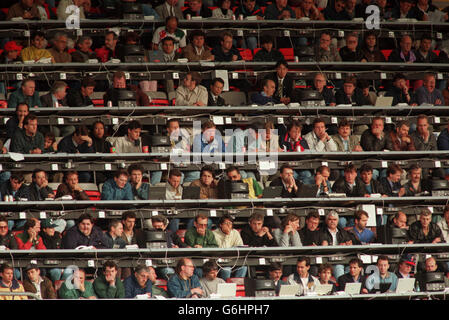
188, 16
145, 149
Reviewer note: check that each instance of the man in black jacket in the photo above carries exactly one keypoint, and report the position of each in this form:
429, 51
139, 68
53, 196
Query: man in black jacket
291, 186
39, 189
349, 184
371, 185
52, 239
216, 88
354, 275
350, 94
310, 234
15, 187
85, 233
400, 91
81, 97
385, 231
284, 83
226, 52
374, 138
255, 234
332, 234
78, 142
160, 223
391, 183
57, 95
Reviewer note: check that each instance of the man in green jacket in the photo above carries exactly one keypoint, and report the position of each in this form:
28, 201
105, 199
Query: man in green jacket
78, 289
109, 285
200, 236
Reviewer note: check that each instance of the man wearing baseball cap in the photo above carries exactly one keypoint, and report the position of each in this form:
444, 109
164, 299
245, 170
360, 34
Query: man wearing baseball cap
35, 283
406, 263
11, 52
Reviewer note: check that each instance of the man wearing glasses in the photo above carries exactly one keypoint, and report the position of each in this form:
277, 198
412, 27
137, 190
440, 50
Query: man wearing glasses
184, 284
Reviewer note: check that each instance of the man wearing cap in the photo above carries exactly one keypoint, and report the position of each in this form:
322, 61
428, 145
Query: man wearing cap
26, 93
40, 285
11, 53
81, 97
52, 239
25, 9
405, 266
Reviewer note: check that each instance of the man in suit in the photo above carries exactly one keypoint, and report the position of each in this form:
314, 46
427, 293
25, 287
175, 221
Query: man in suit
344, 140
391, 183
266, 96
291, 186
284, 83
39, 189
216, 88
169, 8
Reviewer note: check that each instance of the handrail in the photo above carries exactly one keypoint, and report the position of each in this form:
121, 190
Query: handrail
21, 294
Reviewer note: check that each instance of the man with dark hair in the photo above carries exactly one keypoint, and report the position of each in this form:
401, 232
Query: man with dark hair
283, 81
15, 187
209, 282
363, 234
336, 11
350, 94
131, 142
191, 93
37, 50
139, 188
71, 187
392, 182
39, 189
196, 8
254, 189
30, 239
9, 284
207, 183
310, 233
131, 234
117, 188
275, 275
405, 10
255, 234
184, 284
374, 139
371, 185
108, 285
400, 91
7, 239
354, 275
160, 223
291, 186
38, 284
349, 183
267, 53
85, 233
374, 281
428, 93
344, 140
325, 51
25, 9
16, 121
200, 236
111, 49
28, 140
266, 96
292, 141
114, 234
423, 53
81, 97
216, 88
77, 142
279, 10
174, 188
119, 84
196, 50
99, 142
399, 139
318, 140
306, 281
210, 139
226, 52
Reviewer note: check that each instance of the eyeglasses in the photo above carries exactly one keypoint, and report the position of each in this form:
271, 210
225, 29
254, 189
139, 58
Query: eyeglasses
190, 266
3, 227
201, 224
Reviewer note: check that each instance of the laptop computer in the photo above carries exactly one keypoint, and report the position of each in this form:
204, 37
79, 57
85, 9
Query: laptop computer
191, 192
272, 192
405, 285
156, 193
353, 287
323, 289
227, 290
384, 287
307, 191
288, 290
384, 101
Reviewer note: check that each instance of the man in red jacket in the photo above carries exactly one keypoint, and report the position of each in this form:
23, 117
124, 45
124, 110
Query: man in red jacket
29, 238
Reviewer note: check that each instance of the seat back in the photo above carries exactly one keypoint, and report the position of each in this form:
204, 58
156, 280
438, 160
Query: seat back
234, 98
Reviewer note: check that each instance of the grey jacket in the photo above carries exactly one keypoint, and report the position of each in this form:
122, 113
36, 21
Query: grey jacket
290, 239
353, 141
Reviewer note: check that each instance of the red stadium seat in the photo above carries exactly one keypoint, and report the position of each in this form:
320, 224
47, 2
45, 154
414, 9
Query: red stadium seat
5, 10
288, 53
240, 285
386, 53
98, 102
256, 50
93, 195
437, 52
159, 102
161, 283
246, 54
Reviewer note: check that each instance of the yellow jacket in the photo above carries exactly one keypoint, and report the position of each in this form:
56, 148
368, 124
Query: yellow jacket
16, 287
33, 53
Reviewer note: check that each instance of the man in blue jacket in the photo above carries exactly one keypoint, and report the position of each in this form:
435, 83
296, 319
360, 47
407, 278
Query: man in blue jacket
117, 188
85, 233
138, 283
184, 284
26, 93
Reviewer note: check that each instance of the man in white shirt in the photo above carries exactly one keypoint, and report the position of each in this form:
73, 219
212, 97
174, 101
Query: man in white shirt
318, 140
131, 143
191, 93
306, 281
174, 188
